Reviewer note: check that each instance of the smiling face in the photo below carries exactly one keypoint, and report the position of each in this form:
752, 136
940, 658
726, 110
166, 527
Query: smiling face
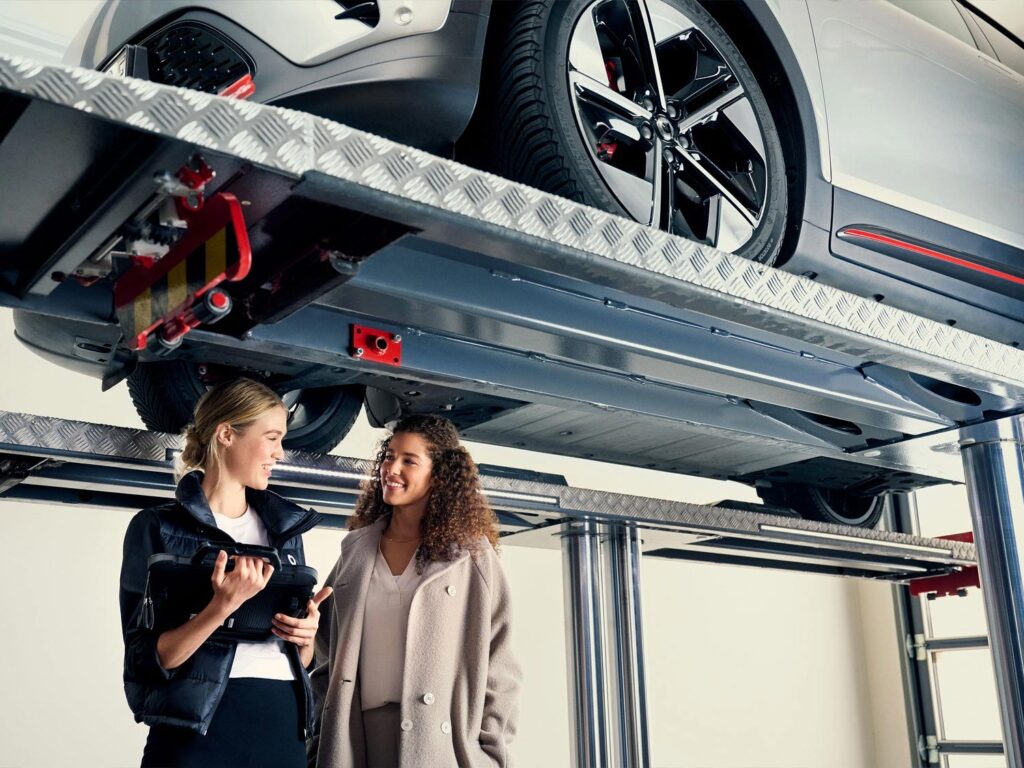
249, 455
405, 473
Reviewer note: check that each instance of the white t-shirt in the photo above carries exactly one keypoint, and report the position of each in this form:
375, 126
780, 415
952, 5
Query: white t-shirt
265, 658
385, 623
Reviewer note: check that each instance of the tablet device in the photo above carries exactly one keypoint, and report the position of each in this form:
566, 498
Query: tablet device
177, 588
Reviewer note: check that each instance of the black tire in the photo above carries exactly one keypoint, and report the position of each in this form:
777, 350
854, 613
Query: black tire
530, 125
826, 504
165, 395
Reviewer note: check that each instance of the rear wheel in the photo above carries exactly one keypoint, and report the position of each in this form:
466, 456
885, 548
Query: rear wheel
165, 395
644, 108
830, 505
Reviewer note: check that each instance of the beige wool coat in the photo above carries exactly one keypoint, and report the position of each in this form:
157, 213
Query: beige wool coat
460, 686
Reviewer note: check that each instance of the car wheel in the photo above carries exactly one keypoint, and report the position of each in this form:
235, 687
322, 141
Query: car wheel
643, 108
830, 505
166, 393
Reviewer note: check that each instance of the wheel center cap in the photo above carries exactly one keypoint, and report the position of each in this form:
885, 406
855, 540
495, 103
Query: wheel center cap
664, 127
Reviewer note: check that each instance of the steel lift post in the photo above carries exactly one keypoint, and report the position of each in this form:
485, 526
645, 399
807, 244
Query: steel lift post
623, 555
585, 644
994, 470
604, 641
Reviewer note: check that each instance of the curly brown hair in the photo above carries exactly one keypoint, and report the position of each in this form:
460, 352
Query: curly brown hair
457, 514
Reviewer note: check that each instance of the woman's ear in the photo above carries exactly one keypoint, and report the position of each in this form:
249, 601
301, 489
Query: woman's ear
224, 434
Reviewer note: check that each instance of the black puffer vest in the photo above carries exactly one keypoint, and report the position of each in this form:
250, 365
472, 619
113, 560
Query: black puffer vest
188, 695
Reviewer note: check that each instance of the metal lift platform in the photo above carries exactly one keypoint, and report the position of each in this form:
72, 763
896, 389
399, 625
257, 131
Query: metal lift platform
57, 461
560, 310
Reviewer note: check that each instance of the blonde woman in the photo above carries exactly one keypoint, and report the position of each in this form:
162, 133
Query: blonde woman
414, 660
210, 701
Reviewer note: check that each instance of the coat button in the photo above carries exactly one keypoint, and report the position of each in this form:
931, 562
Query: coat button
450, 590
407, 725
446, 727
428, 698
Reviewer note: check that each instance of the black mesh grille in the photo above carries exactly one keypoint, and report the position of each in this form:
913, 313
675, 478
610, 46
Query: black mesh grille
195, 56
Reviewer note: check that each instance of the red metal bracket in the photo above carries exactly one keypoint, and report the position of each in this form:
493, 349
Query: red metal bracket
195, 175
169, 292
376, 345
952, 583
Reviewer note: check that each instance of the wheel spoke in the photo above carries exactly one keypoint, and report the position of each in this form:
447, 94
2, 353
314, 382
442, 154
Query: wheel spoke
635, 194
730, 227
585, 54
665, 196
693, 70
658, 188
710, 173
588, 89
646, 46
713, 107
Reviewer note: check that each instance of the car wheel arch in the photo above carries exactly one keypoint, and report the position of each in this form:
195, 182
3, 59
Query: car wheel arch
759, 36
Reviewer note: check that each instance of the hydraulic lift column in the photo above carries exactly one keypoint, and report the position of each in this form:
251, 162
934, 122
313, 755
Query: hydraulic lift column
994, 471
604, 643
584, 644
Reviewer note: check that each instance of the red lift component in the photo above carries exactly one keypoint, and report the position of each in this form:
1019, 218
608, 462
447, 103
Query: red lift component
195, 175
952, 583
376, 345
159, 301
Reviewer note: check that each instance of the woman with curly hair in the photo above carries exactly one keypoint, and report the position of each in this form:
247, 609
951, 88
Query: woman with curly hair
414, 666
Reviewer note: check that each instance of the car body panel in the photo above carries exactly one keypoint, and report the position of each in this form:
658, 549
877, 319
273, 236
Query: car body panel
796, 36
322, 37
921, 120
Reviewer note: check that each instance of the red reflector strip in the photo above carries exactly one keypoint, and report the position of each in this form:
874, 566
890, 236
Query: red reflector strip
933, 254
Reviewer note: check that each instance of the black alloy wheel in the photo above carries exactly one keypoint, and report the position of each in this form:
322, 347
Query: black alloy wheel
644, 108
165, 395
829, 505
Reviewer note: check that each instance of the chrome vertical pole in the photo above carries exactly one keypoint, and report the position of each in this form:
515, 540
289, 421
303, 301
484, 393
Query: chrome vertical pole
627, 683
581, 565
994, 471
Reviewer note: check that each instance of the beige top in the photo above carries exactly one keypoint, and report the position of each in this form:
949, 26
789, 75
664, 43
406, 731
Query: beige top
385, 624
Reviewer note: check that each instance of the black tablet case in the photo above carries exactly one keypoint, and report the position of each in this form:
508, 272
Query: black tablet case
178, 588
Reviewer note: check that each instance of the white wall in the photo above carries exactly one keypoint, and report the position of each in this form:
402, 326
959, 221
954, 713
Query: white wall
746, 667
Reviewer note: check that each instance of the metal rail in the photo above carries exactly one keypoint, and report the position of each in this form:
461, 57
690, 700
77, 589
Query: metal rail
58, 460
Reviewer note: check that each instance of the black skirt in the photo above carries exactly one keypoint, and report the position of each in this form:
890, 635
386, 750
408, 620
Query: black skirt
257, 725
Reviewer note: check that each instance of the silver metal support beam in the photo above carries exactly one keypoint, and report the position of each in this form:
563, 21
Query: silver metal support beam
581, 564
627, 682
604, 643
994, 469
